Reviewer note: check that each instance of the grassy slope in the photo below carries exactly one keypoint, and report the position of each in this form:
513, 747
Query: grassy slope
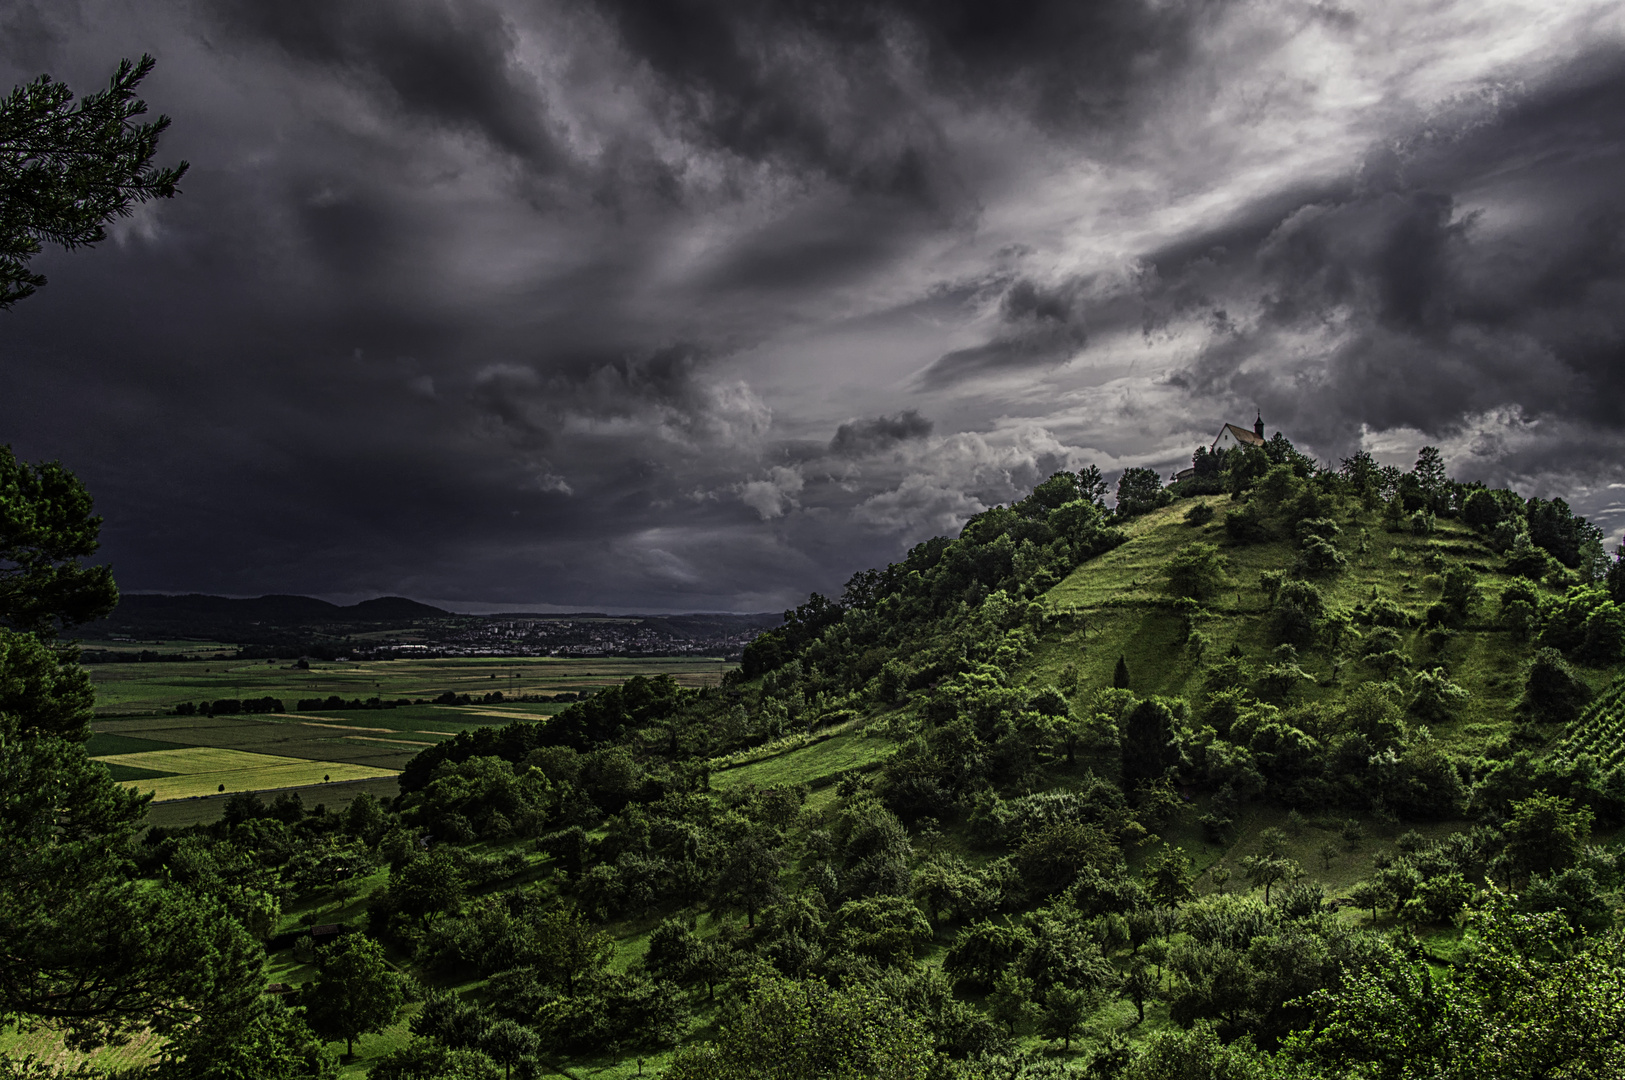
1119, 607
1120, 598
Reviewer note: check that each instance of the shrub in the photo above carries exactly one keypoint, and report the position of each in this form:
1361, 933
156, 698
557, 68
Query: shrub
1604, 640
1320, 557
1435, 699
1528, 561
1584, 624
1245, 525
1196, 571
1459, 591
1299, 607
1383, 612
1198, 515
1316, 528
1552, 694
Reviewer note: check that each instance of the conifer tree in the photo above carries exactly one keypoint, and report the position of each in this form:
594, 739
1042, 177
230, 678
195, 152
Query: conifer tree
66, 170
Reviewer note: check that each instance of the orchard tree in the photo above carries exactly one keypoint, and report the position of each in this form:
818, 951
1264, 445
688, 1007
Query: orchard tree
355, 991
68, 169
1065, 1010
750, 878
509, 1042
1149, 742
1139, 985
568, 948
783, 1028
268, 1041
1547, 833
1011, 1002
1169, 878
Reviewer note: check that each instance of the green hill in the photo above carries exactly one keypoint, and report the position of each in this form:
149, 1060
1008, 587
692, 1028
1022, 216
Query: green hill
1077, 792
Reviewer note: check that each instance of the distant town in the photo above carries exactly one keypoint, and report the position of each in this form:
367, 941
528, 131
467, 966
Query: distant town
153, 627
572, 637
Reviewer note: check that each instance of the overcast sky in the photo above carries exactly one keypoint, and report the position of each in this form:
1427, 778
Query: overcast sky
682, 305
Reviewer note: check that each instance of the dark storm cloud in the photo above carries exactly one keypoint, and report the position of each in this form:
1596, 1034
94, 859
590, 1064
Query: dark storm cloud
737, 69
450, 63
859, 437
1475, 264
1038, 327
644, 305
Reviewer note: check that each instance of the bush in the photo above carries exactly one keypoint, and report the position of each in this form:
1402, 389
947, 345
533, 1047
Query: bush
1552, 693
1383, 612
1197, 571
1299, 607
1245, 525
1435, 699
1320, 557
1199, 515
1528, 561
1317, 528
1604, 640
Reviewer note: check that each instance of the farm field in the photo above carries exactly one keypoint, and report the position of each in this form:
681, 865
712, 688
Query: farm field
126, 688
335, 753
199, 770
178, 813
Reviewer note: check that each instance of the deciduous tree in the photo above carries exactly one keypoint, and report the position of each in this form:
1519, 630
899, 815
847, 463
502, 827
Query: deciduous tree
355, 991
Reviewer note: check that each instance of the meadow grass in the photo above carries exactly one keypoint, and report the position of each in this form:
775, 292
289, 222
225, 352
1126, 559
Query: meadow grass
122, 773
809, 764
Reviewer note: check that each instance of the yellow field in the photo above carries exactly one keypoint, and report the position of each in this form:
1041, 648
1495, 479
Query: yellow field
200, 770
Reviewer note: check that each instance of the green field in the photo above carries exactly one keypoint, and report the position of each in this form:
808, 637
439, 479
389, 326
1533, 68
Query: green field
179, 813
200, 770
108, 743
127, 688
354, 749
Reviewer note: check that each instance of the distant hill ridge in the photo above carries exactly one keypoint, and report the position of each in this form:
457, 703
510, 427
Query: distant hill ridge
299, 622
271, 608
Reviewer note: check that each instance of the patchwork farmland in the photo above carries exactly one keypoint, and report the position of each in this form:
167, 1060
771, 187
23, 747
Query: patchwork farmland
127, 688
193, 764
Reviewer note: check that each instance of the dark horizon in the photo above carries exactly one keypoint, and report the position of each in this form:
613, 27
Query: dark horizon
701, 307
451, 608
